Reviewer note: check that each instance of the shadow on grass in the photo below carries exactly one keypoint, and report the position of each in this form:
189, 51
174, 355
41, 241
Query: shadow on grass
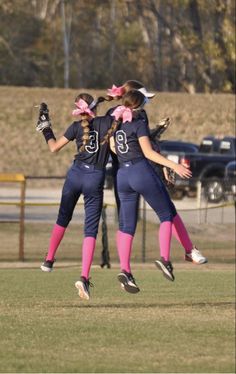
222, 304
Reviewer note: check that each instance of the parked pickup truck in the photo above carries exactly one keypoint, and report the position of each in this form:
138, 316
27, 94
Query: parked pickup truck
207, 164
230, 178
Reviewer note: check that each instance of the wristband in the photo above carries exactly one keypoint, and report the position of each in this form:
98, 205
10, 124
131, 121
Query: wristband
48, 134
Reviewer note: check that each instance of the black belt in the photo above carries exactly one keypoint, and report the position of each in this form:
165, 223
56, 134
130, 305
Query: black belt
129, 163
89, 166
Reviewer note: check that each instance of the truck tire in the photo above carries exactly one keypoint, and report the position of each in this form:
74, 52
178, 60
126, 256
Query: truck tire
176, 194
214, 190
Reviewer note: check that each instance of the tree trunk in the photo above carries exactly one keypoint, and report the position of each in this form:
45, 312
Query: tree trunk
66, 29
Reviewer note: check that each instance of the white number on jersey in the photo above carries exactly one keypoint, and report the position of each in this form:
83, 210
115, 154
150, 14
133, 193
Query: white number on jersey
92, 146
121, 141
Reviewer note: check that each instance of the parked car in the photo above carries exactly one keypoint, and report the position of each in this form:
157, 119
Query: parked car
209, 144
180, 152
230, 178
207, 163
213, 177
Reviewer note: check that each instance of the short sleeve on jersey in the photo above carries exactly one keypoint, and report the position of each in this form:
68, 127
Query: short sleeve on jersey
70, 133
142, 129
143, 116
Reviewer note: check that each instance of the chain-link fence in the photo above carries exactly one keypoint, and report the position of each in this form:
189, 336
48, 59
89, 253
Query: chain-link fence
204, 220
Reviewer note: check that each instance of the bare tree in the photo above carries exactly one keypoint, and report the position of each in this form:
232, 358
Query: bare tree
44, 8
66, 29
112, 34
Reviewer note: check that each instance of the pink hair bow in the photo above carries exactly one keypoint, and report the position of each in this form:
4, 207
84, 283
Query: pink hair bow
115, 91
83, 108
122, 112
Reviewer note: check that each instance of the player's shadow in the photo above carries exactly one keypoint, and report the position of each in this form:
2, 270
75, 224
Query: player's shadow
85, 304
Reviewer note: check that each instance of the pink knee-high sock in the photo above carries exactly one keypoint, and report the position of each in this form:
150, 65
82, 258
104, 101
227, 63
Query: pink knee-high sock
180, 233
87, 255
56, 237
124, 246
165, 232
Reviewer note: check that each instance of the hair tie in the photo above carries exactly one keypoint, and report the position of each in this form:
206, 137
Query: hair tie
82, 108
122, 112
115, 91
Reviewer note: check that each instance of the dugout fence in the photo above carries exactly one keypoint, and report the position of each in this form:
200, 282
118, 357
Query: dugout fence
21, 180
202, 213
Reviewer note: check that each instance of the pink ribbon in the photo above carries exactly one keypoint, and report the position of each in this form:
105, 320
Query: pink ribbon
115, 91
82, 109
122, 112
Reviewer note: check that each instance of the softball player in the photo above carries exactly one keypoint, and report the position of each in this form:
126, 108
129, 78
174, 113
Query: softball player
86, 176
116, 93
136, 176
179, 231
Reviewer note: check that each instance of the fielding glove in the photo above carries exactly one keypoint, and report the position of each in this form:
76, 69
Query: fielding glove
43, 120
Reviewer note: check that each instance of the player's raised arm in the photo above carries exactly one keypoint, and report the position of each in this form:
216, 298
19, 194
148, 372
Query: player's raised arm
154, 156
44, 125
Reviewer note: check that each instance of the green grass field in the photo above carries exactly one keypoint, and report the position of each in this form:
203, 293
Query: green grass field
181, 327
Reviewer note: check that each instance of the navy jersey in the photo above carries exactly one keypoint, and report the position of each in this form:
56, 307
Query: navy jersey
94, 153
126, 140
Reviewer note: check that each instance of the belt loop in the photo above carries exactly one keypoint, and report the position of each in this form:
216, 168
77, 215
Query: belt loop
129, 163
86, 166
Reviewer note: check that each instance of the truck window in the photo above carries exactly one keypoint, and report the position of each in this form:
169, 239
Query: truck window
225, 147
206, 146
209, 145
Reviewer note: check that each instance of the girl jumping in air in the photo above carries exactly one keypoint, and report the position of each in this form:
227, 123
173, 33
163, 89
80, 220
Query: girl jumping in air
136, 176
177, 227
116, 93
86, 176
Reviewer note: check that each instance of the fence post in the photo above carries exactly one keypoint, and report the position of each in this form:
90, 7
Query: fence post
199, 193
144, 232
22, 220
18, 178
105, 252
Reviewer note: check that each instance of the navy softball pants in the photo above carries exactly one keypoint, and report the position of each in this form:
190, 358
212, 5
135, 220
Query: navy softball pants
83, 179
140, 178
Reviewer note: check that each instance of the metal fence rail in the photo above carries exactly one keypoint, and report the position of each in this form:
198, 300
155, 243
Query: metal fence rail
201, 214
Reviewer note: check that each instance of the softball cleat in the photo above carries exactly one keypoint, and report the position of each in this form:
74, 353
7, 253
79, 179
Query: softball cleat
196, 257
166, 268
47, 266
127, 282
83, 288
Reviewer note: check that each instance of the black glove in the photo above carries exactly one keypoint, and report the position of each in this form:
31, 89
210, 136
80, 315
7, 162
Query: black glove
171, 176
43, 120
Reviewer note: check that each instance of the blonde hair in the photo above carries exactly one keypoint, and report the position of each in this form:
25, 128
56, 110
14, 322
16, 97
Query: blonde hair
133, 99
84, 119
110, 132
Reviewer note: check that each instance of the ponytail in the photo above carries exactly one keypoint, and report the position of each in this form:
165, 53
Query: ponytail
85, 137
101, 99
110, 132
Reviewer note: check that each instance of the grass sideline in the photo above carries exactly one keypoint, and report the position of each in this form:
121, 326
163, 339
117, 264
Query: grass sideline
186, 326
216, 241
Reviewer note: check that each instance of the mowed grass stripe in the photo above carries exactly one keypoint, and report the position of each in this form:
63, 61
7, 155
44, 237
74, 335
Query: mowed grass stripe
185, 326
